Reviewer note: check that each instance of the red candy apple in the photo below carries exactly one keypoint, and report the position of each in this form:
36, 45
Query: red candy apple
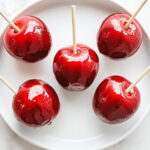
36, 103
32, 43
112, 104
75, 71
116, 41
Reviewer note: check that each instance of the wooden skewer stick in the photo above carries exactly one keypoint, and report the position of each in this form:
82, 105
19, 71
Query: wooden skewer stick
74, 29
138, 79
10, 22
8, 85
134, 15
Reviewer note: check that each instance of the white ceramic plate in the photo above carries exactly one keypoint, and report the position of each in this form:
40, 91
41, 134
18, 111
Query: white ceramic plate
76, 127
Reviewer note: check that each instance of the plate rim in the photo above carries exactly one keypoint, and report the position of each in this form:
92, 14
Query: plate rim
15, 15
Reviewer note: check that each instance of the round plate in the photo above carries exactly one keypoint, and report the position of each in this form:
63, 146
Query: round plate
76, 127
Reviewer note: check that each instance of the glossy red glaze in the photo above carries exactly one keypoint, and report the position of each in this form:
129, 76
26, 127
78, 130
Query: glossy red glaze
112, 104
75, 72
117, 42
32, 43
36, 103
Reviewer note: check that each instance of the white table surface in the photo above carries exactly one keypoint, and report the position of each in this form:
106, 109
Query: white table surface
138, 140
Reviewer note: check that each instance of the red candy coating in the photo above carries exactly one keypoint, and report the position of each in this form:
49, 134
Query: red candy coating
117, 42
36, 103
32, 43
75, 72
112, 104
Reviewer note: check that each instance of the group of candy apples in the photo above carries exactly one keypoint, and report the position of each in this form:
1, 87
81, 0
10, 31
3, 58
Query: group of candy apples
75, 68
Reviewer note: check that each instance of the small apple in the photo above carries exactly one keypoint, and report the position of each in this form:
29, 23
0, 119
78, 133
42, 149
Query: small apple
36, 103
75, 72
112, 104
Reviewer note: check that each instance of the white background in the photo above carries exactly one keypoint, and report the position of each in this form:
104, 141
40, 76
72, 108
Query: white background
139, 139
